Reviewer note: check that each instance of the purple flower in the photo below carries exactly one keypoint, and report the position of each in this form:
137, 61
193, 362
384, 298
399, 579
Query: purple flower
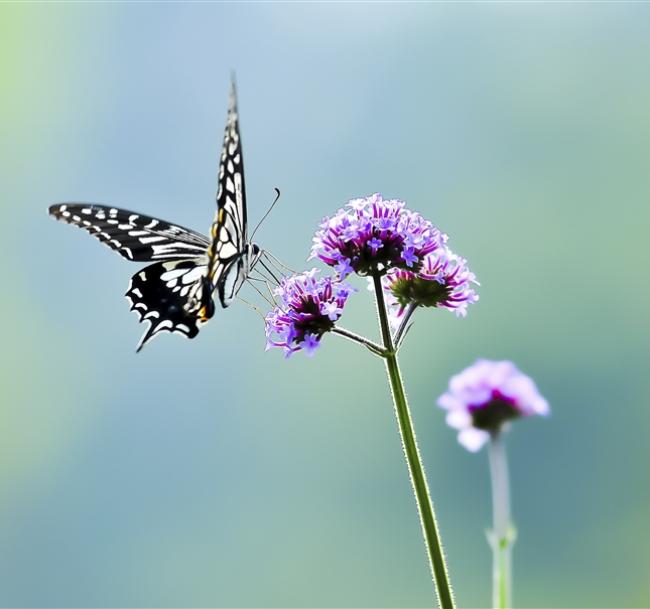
331, 309
375, 234
309, 306
310, 343
409, 257
485, 397
375, 244
343, 267
443, 280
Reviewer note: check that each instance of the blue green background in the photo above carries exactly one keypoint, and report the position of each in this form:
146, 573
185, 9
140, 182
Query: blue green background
210, 473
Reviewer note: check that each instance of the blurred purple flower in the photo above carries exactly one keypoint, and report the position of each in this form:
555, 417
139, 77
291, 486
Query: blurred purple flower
484, 397
442, 281
372, 233
309, 306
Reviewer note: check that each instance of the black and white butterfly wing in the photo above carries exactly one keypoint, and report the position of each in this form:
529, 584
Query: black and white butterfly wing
168, 295
134, 236
229, 229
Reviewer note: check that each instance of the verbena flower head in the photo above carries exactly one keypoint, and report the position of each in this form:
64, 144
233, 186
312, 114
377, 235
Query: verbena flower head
442, 281
373, 233
309, 307
485, 397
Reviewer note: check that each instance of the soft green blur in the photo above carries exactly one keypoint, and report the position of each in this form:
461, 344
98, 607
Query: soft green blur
210, 473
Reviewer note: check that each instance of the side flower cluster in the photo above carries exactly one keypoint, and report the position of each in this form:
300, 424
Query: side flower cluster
309, 307
483, 398
442, 281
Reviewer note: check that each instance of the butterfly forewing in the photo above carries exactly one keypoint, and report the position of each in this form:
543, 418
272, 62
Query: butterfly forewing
134, 236
229, 227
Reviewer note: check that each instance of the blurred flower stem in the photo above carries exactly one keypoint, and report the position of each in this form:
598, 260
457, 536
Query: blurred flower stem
412, 454
501, 537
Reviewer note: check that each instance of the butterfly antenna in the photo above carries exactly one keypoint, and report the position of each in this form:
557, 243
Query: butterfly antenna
277, 197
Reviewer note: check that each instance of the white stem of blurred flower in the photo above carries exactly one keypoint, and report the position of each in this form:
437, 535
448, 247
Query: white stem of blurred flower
403, 326
374, 347
501, 537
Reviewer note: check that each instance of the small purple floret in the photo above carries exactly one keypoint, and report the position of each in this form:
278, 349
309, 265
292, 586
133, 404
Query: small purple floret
309, 306
310, 343
409, 257
375, 244
483, 398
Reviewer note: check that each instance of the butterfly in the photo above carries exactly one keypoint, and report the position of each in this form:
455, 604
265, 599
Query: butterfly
175, 294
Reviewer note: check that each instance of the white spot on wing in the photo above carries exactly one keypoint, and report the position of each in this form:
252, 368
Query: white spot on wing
228, 250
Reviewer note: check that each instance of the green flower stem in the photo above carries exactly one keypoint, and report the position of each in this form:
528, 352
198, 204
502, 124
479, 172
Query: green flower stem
413, 460
502, 536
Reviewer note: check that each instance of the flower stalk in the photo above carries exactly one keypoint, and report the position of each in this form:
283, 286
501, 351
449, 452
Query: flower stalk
404, 325
413, 459
501, 537
354, 337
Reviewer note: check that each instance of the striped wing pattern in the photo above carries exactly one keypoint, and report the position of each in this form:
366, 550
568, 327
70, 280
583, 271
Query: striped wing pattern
166, 294
229, 227
134, 236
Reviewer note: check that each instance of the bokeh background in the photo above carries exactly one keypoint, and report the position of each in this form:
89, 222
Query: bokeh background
209, 473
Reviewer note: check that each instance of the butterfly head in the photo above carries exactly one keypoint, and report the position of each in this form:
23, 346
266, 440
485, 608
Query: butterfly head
254, 252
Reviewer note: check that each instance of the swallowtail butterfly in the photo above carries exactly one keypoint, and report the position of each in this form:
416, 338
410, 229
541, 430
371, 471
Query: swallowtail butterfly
175, 294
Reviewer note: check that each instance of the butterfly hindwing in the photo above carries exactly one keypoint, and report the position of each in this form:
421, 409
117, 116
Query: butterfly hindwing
134, 236
167, 294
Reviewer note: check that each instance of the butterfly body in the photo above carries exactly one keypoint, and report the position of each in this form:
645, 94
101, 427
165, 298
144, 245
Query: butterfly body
176, 293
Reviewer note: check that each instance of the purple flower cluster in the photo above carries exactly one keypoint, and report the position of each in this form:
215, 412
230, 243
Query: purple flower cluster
370, 236
442, 281
484, 397
309, 306
373, 234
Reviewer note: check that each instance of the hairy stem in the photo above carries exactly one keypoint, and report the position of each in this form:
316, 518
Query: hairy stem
413, 460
